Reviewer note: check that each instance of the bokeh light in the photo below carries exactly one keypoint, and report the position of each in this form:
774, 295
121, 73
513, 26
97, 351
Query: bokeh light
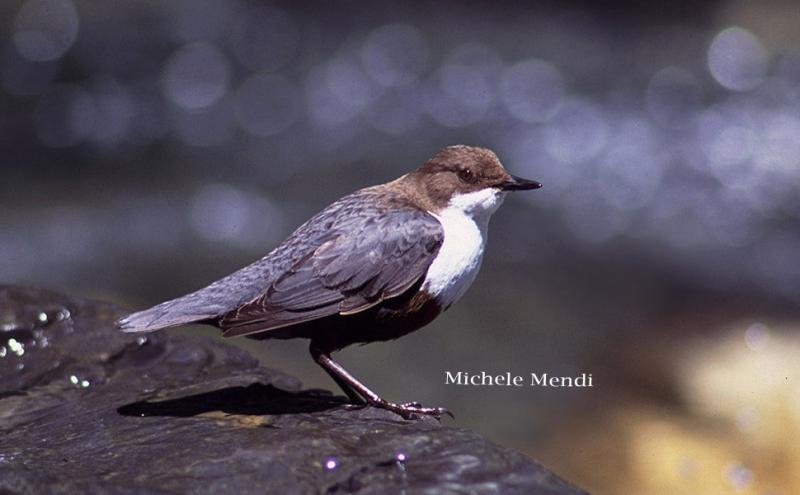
671, 95
532, 90
577, 134
196, 76
45, 29
737, 59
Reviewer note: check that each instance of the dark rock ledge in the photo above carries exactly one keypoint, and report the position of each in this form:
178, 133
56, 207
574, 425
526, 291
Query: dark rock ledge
87, 409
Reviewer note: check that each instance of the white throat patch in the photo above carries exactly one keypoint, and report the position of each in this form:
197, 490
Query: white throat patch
465, 222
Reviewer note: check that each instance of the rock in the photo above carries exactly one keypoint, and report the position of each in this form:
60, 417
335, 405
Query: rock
86, 408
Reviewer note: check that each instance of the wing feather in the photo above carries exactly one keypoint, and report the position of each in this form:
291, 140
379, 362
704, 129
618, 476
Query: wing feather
369, 257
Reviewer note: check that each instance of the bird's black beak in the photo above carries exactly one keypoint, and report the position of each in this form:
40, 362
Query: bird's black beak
519, 184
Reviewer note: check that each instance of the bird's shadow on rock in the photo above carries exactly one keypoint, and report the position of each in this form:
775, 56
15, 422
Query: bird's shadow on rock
255, 399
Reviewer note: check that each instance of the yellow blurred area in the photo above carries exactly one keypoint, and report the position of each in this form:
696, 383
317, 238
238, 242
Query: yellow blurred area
734, 428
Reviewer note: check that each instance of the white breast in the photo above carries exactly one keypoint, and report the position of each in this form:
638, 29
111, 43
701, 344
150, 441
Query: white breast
465, 223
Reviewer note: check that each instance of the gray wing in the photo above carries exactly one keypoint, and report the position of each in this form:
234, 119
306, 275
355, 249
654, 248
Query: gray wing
351, 213
369, 257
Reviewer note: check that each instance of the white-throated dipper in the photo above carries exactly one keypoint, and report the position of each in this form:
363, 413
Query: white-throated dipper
375, 265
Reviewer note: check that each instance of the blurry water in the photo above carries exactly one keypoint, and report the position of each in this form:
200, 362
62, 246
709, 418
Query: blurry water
151, 147
112, 107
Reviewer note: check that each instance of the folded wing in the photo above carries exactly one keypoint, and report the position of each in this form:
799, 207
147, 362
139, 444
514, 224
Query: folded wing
364, 261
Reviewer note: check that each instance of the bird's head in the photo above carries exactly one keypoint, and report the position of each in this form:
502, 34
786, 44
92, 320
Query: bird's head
467, 178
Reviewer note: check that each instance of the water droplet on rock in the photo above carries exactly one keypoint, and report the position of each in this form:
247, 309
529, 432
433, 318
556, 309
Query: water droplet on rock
16, 347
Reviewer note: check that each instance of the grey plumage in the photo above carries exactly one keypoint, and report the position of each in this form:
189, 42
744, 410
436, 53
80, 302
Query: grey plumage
371, 267
362, 249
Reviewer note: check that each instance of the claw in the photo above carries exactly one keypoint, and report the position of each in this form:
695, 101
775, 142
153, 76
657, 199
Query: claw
357, 391
442, 410
412, 410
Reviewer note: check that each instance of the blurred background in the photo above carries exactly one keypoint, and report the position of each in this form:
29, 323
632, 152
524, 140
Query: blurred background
149, 148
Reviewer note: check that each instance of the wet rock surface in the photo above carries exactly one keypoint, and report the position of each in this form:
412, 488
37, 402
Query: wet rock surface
85, 408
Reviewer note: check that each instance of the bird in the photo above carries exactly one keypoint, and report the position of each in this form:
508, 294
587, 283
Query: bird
374, 265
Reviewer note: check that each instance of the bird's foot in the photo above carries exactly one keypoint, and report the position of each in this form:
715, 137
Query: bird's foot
358, 393
411, 410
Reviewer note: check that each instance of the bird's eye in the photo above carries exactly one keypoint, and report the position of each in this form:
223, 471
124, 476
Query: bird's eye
466, 175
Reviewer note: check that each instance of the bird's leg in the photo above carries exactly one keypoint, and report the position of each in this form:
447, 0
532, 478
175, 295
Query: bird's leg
354, 397
352, 387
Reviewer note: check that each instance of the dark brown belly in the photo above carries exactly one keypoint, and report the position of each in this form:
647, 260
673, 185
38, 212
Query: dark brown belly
389, 320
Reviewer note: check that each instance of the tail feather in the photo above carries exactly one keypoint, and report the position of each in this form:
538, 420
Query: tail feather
205, 304
168, 314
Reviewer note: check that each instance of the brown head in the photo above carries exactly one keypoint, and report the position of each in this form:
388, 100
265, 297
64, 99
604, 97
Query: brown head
470, 177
